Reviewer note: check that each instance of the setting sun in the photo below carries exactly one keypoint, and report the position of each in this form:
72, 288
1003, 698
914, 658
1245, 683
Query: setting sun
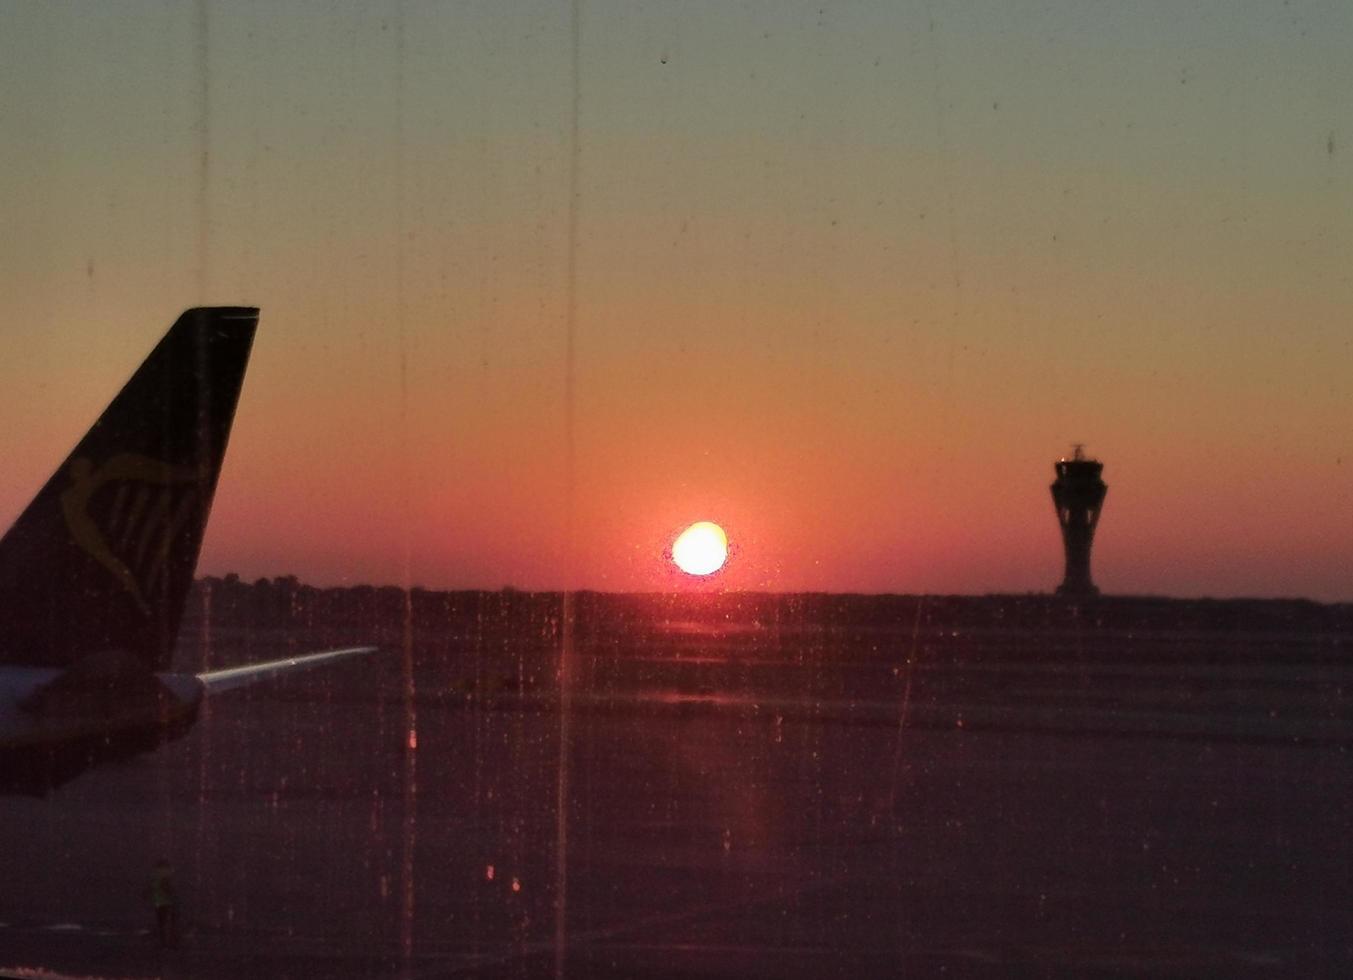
701, 549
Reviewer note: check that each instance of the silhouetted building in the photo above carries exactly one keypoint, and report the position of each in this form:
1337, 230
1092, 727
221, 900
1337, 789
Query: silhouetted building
1078, 495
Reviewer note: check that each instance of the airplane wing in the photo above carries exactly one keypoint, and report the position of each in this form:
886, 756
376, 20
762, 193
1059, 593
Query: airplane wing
215, 681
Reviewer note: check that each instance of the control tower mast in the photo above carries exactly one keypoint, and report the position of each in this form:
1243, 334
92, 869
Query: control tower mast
1078, 495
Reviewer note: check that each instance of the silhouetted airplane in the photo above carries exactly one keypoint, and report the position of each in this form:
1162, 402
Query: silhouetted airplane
95, 572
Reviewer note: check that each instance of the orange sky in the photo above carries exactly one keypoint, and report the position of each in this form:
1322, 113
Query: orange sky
846, 282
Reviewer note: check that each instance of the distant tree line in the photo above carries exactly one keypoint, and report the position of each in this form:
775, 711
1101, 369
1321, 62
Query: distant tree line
284, 602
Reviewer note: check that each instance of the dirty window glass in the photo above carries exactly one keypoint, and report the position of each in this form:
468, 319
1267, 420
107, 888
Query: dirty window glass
675, 489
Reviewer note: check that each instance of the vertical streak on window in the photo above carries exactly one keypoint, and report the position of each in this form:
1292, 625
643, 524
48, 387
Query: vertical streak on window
202, 25
202, 131
204, 739
567, 611
904, 710
410, 742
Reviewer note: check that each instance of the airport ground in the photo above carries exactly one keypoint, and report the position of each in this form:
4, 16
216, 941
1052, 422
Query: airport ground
812, 802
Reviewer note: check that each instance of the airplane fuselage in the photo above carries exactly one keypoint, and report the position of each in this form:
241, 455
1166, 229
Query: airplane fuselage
51, 729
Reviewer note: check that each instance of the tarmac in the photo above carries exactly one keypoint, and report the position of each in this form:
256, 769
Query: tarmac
728, 817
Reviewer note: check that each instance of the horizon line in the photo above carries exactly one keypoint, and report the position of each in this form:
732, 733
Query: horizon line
722, 593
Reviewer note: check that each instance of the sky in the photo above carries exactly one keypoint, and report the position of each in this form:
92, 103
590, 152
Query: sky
845, 278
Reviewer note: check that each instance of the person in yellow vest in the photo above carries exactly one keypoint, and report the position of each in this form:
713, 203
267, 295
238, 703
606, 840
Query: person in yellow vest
164, 899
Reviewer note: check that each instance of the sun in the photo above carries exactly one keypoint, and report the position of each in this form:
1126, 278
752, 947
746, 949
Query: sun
701, 549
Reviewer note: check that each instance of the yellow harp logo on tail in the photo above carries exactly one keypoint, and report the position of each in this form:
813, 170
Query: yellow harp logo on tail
133, 535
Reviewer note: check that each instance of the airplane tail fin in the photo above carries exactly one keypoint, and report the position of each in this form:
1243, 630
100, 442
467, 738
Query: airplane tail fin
103, 557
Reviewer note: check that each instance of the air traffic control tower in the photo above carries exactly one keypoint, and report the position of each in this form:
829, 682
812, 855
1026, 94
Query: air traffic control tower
1078, 495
